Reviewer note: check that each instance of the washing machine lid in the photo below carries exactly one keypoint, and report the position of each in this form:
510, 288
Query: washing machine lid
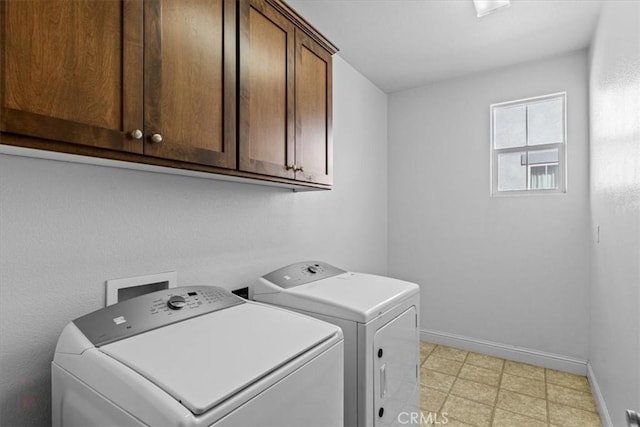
357, 297
207, 359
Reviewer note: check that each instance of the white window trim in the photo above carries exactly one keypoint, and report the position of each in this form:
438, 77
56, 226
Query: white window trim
562, 151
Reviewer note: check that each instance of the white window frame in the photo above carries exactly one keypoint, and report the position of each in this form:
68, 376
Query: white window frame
561, 146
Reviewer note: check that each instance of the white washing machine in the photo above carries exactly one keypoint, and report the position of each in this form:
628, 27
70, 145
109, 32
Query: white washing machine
379, 318
197, 356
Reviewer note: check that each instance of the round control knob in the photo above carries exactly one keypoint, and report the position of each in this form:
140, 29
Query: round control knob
176, 302
312, 269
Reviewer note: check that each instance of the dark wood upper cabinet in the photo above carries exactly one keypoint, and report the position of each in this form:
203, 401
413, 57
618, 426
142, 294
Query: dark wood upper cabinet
314, 148
189, 86
285, 94
267, 128
231, 87
79, 72
72, 71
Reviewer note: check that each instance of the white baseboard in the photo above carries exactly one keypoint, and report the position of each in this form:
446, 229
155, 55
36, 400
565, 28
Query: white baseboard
505, 351
597, 396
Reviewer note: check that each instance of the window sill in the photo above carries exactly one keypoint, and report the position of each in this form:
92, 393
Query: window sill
535, 193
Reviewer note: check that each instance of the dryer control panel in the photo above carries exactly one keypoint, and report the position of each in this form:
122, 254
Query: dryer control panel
154, 310
302, 273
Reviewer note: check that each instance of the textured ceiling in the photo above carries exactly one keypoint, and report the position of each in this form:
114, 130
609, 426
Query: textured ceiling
400, 44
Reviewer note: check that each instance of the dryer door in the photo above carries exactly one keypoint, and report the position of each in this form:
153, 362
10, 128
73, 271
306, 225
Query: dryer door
396, 379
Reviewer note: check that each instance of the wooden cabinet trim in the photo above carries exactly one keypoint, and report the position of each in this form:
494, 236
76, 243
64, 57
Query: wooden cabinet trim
230, 87
3, 91
25, 123
12, 140
303, 25
132, 59
153, 62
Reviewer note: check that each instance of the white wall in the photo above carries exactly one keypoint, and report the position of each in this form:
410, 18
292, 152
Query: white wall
614, 349
65, 228
510, 270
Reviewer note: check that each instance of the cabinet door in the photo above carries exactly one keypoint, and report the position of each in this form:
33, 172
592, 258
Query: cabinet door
266, 90
71, 71
189, 89
313, 111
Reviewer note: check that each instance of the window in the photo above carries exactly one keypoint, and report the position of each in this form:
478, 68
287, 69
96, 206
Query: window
528, 145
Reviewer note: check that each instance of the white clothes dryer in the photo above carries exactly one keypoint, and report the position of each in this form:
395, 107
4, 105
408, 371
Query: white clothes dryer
197, 356
379, 318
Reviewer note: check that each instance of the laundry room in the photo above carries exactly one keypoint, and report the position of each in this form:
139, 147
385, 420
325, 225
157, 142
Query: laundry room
473, 174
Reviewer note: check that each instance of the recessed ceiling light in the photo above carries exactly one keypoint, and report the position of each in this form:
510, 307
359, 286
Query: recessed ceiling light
485, 7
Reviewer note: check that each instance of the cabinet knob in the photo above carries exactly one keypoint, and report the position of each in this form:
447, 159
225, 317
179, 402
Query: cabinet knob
290, 167
298, 169
156, 138
136, 134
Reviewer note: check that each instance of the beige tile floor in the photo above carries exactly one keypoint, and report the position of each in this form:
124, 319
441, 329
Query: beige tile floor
478, 390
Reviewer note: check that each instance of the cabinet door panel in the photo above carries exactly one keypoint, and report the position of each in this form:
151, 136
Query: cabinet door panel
64, 73
313, 111
266, 90
190, 82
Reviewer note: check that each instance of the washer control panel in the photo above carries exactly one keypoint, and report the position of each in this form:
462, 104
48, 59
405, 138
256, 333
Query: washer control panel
302, 273
154, 310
